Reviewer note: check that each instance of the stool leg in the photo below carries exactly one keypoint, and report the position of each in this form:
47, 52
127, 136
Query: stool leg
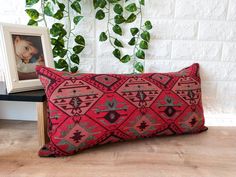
42, 122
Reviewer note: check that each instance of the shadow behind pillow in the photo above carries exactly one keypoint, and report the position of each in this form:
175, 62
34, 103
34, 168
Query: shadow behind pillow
93, 109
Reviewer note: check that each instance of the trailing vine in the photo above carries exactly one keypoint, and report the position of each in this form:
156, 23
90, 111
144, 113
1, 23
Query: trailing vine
65, 53
140, 36
117, 13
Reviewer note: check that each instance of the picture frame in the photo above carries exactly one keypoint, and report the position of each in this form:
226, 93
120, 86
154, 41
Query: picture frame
22, 48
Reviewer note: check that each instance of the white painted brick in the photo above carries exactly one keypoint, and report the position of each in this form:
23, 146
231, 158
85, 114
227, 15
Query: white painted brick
104, 49
154, 66
195, 50
226, 90
175, 29
219, 119
162, 29
98, 29
159, 49
163, 8
229, 51
218, 106
9, 19
212, 106
86, 27
209, 90
201, 9
218, 71
228, 107
185, 29
232, 10
213, 30
8, 7
209, 71
112, 65
89, 50
87, 65
86, 8
166, 65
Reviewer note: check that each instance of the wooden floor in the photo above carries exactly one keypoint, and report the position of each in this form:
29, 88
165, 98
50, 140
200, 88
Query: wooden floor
209, 154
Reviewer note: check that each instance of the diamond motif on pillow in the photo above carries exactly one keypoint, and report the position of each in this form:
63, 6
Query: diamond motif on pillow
87, 110
139, 92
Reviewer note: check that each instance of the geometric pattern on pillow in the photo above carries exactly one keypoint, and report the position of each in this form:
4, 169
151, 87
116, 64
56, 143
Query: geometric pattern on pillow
86, 110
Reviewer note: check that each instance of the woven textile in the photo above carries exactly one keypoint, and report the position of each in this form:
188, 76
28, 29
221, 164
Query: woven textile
86, 110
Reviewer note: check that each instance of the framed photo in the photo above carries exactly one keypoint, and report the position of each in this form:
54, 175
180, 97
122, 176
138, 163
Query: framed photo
22, 48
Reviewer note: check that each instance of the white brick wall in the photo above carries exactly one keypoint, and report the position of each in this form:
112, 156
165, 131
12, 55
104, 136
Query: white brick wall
185, 31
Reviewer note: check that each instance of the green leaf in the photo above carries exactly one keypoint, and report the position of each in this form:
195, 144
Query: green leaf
59, 42
62, 53
78, 49
143, 45
100, 15
113, 1
48, 9
57, 66
117, 29
103, 37
134, 31
33, 13
142, 2
119, 19
99, 3
118, 9
132, 41
31, 2
53, 41
59, 51
75, 58
74, 69
58, 30
117, 53
140, 54
102, 3
139, 67
66, 69
95, 4
77, 19
80, 40
118, 43
61, 63
61, 6
148, 25
131, 7
76, 6
131, 18
58, 15
125, 59
145, 36
32, 23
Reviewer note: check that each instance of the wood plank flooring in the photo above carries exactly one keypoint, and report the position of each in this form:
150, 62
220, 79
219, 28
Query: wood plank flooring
209, 154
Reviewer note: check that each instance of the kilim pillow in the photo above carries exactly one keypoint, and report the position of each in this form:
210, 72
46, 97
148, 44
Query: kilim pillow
86, 110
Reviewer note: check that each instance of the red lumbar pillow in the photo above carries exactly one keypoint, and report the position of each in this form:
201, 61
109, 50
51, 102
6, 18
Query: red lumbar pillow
86, 110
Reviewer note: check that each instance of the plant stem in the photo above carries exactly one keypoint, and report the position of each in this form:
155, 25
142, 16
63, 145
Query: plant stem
138, 37
44, 18
69, 33
108, 22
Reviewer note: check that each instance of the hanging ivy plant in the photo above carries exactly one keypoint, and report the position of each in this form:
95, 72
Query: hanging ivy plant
63, 12
115, 12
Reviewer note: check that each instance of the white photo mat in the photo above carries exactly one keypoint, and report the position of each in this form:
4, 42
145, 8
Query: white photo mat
8, 56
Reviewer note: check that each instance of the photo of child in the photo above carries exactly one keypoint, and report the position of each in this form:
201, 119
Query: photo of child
29, 53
